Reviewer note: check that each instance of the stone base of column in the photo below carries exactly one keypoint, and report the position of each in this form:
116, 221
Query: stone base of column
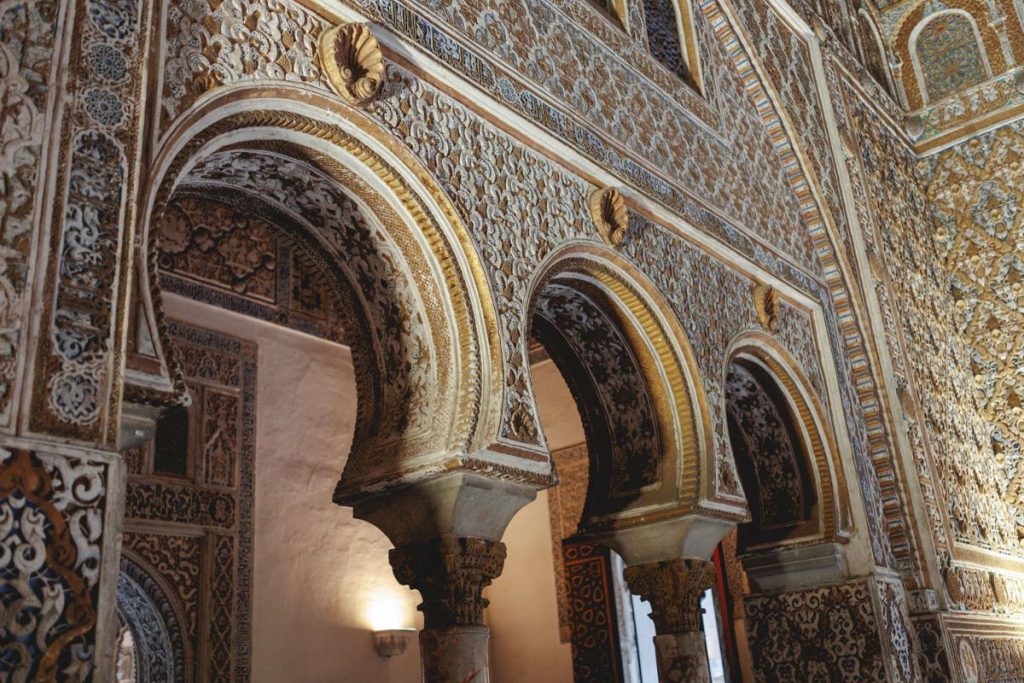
455, 655
682, 658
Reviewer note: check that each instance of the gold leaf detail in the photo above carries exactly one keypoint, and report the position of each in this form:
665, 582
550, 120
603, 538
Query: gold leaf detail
608, 209
352, 59
767, 306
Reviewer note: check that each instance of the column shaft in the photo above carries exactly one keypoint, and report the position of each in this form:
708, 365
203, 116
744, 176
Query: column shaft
674, 589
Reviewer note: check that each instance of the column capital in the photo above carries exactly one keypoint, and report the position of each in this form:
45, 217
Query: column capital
450, 572
674, 589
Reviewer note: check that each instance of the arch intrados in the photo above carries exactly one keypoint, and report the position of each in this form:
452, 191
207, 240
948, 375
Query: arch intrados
667, 361
431, 226
808, 416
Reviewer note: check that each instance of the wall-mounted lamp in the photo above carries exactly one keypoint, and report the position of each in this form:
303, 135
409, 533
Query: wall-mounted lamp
392, 641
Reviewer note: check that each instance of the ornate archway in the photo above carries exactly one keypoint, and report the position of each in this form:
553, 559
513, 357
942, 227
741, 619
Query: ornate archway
419, 315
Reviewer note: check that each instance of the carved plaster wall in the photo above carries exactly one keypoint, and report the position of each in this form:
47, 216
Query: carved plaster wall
215, 253
975, 199
191, 535
53, 542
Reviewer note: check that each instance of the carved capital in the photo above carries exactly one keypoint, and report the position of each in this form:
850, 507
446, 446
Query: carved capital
674, 589
608, 209
450, 573
352, 59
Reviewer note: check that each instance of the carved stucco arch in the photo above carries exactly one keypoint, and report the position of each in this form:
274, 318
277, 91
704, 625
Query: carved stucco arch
635, 317
349, 154
908, 27
833, 516
156, 620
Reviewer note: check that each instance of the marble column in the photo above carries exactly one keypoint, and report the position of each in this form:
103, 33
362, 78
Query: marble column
667, 565
674, 589
447, 536
450, 572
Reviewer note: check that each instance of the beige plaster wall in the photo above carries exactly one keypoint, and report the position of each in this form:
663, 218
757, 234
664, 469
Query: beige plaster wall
320, 575
523, 614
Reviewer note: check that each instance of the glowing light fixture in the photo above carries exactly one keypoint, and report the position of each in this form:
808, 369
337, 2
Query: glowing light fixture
388, 616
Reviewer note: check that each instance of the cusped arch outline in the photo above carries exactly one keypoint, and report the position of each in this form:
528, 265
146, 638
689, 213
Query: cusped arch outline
363, 160
667, 368
834, 521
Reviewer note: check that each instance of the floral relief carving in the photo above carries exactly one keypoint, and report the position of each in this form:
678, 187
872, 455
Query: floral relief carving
819, 634
224, 254
758, 430
628, 425
213, 43
194, 535
27, 31
371, 262
975, 202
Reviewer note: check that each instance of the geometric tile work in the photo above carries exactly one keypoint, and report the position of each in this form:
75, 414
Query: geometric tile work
977, 199
950, 57
193, 533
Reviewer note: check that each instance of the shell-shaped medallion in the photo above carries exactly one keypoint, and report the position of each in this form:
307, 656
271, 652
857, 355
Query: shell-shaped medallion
352, 59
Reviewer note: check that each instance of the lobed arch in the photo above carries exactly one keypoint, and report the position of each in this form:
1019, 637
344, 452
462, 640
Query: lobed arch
761, 355
425, 345
634, 378
914, 21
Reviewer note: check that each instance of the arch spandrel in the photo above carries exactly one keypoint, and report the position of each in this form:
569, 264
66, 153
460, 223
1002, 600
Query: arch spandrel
421, 234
